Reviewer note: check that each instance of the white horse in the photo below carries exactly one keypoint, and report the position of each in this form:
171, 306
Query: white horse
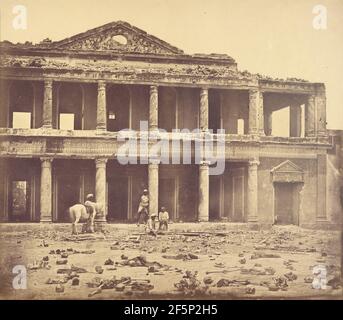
78, 213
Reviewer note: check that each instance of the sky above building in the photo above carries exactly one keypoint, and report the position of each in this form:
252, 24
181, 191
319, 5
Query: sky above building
270, 37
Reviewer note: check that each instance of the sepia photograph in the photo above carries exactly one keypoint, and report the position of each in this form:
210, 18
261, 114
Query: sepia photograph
171, 150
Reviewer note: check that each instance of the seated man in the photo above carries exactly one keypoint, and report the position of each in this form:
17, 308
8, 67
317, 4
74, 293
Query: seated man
163, 218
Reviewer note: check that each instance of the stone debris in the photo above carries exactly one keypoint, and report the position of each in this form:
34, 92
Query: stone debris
219, 265
93, 293
293, 249
134, 239
141, 286
190, 285
258, 272
56, 281
281, 283
84, 252
95, 282
72, 269
290, 276
259, 255
335, 282
232, 283
59, 288
85, 237
242, 278
119, 284
250, 290
42, 264
224, 271
99, 269
181, 256
109, 262
208, 280
61, 261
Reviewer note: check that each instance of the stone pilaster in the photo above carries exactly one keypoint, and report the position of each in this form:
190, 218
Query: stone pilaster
295, 120
254, 110
3, 188
268, 122
204, 189
153, 188
153, 108
252, 192
310, 116
46, 190
47, 104
261, 115
100, 190
204, 110
321, 113
101, 115
321, 187
4, 103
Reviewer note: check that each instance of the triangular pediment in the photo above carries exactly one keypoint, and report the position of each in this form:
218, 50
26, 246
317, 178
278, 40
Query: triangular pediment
116, 36
287, 166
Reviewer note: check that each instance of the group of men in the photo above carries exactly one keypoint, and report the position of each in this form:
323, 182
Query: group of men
151, 219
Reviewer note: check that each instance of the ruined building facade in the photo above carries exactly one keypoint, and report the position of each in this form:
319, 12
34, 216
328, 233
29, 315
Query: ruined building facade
63, 103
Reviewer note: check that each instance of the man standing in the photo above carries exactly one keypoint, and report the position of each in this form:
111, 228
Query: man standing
91, 210
143, 209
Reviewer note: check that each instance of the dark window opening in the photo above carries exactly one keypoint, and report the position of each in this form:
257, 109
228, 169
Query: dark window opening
21, 105
70, 107
118, 108
167, 109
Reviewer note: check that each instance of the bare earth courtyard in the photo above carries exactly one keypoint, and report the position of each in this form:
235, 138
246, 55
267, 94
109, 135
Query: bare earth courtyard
125, 263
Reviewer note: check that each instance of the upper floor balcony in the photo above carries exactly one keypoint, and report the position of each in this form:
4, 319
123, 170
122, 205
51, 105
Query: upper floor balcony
100, 110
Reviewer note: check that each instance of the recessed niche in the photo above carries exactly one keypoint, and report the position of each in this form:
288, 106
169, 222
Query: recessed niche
120, 39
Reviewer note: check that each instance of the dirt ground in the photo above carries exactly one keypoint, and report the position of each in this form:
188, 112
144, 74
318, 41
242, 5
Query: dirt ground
191, 260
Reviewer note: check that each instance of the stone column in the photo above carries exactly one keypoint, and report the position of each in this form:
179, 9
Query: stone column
321, 113
268, 122
261, 115
252, 192
46, 190
204, 189
295, 120
254, 108
100, 191
101, 115
204, 110
153, 188
3, 189
310, 116
47, 104
321, 187
153, 108
4, 103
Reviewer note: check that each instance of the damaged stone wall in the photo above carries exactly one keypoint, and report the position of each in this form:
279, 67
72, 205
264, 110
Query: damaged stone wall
335, 178
308, 214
